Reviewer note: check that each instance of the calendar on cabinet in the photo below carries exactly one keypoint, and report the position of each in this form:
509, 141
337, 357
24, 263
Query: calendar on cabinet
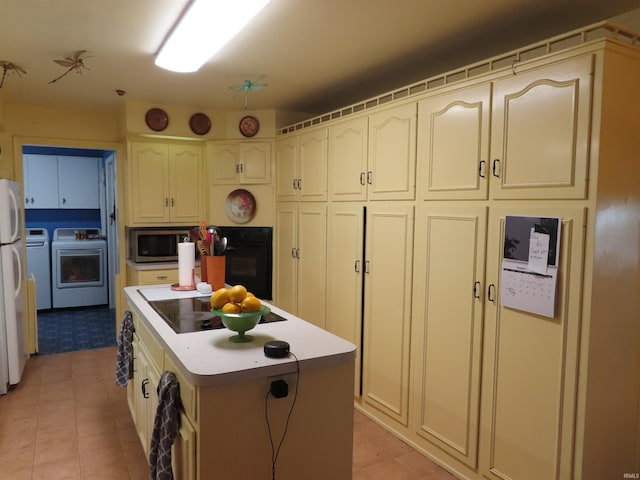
530, 264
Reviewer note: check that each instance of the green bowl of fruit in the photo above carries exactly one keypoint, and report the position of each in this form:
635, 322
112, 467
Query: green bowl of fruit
241, 322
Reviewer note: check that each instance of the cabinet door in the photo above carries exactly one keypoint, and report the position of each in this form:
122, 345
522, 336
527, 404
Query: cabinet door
223, 163
453, 144
447, 326
79, 182
387, 304
348, 160
141, 386
312, 182
185, 180
392, 154
41, 181
312, 262
345, 242
183, 455
287, 169
541, 131
285, 234
149, 187
152, 401
530, 364
255, 163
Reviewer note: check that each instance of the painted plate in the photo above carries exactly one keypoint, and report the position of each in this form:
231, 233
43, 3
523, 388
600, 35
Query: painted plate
200, 124
240, 206
156, 119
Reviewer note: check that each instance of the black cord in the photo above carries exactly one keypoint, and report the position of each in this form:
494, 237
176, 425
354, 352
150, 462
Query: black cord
275, 452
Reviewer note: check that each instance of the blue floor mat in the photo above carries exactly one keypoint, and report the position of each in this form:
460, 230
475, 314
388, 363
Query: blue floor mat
72, 329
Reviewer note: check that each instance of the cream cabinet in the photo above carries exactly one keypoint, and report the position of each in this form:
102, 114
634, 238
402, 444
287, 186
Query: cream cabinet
374, 157
301, 167
165, 183
526, 135
300, 260
448, 300
150, 360
345, 270
239, 163
61, 182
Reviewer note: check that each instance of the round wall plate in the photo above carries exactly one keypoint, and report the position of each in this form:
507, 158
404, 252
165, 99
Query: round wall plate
200, 124
156, 119
240, 206
249, 126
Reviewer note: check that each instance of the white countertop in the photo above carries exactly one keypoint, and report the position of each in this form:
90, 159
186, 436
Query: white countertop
209, 358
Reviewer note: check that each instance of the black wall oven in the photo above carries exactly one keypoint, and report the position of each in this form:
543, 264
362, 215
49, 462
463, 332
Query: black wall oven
249, 259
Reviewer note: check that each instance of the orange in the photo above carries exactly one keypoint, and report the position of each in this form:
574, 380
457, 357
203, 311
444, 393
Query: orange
237, 293
219, 298
250, 304
231, 308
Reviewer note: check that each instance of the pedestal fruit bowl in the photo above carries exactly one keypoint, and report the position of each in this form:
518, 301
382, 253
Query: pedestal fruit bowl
241, 322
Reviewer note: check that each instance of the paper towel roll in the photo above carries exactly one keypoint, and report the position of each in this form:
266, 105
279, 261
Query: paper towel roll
186, 263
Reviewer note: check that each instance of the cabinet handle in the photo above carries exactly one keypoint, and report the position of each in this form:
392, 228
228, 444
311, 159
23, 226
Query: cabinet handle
161, 277
145, 394
366, 266
476, 290
490, 292
64, 201
297, 253
481, 168
166, 201
172, 202
32, 201
241, 168
370, 177
293, 252
496, 161
299, 184
356, 266
295, 184
362, 178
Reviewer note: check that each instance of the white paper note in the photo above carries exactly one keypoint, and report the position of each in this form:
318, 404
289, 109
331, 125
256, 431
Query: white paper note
538, 252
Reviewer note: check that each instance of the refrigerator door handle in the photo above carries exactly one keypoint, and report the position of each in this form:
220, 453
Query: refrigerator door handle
18, 263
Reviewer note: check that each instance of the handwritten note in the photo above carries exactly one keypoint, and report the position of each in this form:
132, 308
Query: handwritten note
538, 252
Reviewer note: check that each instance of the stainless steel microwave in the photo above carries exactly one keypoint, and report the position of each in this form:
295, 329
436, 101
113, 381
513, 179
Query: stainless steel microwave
155, 245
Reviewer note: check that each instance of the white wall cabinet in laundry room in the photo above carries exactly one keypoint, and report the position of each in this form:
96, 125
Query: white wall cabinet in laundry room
61, 182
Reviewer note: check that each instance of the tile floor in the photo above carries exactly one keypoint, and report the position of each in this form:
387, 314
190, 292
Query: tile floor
65, 422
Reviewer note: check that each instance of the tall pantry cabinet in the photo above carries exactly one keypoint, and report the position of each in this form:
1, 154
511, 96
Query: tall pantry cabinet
498, 392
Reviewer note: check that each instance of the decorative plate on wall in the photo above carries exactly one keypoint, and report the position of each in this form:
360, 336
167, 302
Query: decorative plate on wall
240, 206
249, 125
200, 124
157, 119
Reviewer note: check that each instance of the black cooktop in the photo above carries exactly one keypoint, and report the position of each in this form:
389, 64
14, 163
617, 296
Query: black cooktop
194, 314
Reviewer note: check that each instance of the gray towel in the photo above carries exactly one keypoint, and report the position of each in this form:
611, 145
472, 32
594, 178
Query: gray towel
165, 427
124, 357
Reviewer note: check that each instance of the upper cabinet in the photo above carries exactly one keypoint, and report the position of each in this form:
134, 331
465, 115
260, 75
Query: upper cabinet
301, 167
165, 183
374, 157
239, 163
61, 182
525, 135
391, 171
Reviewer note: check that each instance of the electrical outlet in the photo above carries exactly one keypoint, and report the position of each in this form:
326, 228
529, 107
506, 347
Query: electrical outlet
290, 380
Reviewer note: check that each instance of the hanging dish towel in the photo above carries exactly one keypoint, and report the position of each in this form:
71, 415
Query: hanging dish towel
124, 357
165, 427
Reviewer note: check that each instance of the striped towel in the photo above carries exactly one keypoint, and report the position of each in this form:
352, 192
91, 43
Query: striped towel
124, 357
165, 427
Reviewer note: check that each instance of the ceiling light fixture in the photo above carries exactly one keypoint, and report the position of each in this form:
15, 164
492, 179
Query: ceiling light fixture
203, 30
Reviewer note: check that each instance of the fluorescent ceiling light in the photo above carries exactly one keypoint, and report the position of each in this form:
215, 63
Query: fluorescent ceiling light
203, 30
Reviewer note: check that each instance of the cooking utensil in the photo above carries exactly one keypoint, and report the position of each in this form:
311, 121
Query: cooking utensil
223, 245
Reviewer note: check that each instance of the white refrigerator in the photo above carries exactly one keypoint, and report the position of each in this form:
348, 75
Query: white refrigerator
13, 356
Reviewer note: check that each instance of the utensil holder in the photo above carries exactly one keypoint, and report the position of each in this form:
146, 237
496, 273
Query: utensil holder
215, 271
203, 267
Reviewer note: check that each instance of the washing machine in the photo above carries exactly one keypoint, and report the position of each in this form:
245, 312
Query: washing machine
39, 265
79, 268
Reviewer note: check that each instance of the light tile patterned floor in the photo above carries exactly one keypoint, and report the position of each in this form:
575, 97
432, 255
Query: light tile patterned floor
67, 420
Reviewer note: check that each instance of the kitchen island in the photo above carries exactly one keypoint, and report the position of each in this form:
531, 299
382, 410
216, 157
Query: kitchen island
225, 387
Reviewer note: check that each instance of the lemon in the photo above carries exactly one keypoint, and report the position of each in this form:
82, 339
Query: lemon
250, 304
231, 308
237, 293
219, 298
